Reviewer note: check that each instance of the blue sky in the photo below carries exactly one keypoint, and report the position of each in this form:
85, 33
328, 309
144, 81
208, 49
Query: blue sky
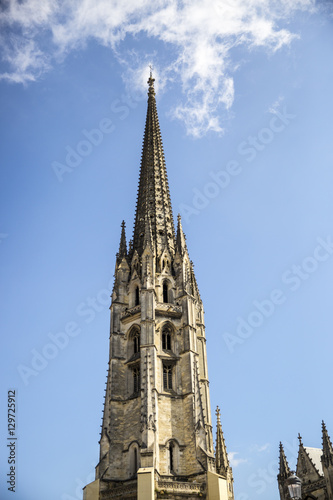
244, 96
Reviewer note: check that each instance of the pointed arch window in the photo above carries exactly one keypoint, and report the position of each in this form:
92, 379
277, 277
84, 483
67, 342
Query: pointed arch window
137, 296
136, 379
134, 459
166, 339
165, 292
133, 343
171, 456
167, 376
136, 341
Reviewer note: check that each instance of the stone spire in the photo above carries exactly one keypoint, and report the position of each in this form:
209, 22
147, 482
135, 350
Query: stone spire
327, 457
122, 246
157, 418
180, 238
284, 470
222, 461
284, 473
148, 237
153, 199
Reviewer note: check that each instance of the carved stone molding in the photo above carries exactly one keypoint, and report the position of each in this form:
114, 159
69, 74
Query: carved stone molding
130, 312
165, 309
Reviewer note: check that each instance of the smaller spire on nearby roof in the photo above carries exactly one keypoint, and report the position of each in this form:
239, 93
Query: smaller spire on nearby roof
284, 470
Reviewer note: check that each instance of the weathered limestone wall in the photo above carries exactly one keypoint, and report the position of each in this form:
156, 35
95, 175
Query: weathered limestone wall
125, 422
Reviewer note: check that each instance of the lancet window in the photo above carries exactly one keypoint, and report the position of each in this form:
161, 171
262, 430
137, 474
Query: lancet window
167, 376
136, 379
173, 456
137, 296
165, 292
166, 339
136, 341
134, 459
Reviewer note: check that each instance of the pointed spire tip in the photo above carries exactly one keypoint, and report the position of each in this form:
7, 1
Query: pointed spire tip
151, 80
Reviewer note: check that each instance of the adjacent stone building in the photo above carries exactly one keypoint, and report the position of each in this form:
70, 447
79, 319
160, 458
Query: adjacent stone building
314, 468
156, 439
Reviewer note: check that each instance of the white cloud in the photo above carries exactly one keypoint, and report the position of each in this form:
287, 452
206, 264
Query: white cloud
234, 462
201, 34
275, 106
29, 62
262, 448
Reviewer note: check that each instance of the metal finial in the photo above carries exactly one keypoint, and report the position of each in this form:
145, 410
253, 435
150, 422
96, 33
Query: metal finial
151, 90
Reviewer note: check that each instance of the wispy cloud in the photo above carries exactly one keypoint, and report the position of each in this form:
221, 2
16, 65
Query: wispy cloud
276, 105
234, 462
261, 448
28, 61
199, 33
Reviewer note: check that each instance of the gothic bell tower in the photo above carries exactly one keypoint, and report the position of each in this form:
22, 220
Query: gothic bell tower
156, 438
